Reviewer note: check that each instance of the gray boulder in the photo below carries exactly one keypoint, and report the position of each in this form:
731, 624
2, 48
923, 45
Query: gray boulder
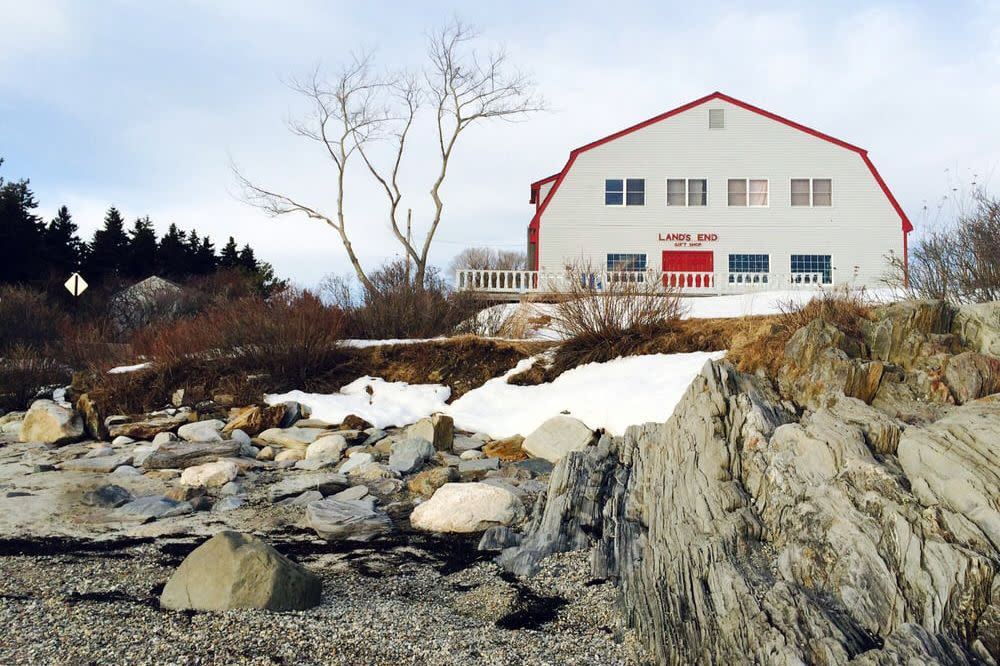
438, 429
558, 436
350, 519
108, 496
50, 423
153, 507
324, 482
99, 465
410, 455
233, 570
202, 431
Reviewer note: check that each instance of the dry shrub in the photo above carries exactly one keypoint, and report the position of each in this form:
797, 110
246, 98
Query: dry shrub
395, 307
27, 318
603, 316
288, 337
760, 345
24, 372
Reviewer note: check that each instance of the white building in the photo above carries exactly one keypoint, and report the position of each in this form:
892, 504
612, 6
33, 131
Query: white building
719, 195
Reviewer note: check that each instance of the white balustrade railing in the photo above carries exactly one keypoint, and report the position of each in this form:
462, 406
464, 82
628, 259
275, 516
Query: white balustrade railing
689, 282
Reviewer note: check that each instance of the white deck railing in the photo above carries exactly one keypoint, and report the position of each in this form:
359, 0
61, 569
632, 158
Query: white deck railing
688, 282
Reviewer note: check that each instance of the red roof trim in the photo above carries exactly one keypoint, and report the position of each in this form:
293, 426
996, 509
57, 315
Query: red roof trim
907, 226
536, 186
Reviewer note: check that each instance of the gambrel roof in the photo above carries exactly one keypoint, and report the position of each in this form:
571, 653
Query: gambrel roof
558, 178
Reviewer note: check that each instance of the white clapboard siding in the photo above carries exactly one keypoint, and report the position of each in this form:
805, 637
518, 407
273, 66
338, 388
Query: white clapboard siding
859, 230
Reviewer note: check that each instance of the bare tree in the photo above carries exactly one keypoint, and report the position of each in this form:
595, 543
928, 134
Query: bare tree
488, 258
360, 110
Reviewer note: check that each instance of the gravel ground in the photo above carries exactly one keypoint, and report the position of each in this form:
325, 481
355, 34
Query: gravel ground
398, 604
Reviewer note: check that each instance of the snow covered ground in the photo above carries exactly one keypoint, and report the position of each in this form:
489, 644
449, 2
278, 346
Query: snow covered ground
612, 395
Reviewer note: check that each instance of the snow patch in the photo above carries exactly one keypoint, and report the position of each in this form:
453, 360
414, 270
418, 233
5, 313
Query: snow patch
122, 369
377, 401
611, 395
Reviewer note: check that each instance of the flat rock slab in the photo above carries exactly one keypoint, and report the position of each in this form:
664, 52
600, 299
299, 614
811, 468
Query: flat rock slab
353, 520
292, 438
102, 464
152, 507
149, 428
182, 455
296, 484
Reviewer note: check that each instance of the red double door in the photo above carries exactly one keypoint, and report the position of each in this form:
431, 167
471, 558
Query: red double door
688, 268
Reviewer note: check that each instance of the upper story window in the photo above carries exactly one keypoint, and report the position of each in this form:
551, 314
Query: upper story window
716, 119
687, 192
812, 192
625, 191
748, 192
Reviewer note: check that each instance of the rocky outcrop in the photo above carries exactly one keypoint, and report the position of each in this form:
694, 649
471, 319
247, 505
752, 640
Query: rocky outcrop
233, 570
742, 531
972, 375
346, 519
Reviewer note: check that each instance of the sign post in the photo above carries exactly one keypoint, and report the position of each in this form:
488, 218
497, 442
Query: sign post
76, 285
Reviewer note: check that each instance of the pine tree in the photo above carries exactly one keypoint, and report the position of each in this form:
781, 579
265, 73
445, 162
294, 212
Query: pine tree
230, 257
62, 246
205, 259
248, 261
108, 254
142, 249
171, 255
21, 233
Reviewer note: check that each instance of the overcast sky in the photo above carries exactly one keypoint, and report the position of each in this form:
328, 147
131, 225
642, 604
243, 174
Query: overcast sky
142, 105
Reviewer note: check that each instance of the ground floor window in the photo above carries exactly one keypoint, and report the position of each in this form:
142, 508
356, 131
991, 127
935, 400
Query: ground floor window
818, 265
749, 267
623, 262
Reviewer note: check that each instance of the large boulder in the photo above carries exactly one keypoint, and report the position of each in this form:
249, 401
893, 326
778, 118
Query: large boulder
902, 332
438, 429
410, 455
152, 507
98, 464
233, 570
210, 475
346, 519
51, 423
255, 419
327, 447
558, 436
467, 507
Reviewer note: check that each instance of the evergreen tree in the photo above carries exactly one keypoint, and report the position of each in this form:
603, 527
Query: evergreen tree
171, 255
191, 251
142, 249
108, 253
21, 233
230, 257
248, 261
63, 247
205, 259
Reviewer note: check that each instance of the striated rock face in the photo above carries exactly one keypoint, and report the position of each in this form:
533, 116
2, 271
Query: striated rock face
741, 531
